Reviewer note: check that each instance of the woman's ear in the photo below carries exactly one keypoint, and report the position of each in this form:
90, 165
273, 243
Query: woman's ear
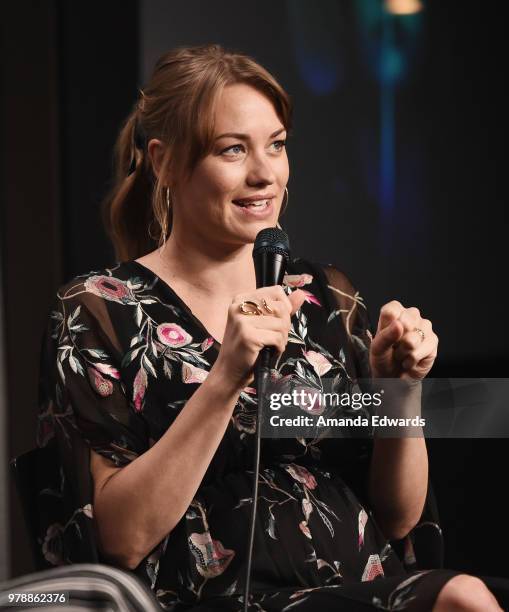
156, 150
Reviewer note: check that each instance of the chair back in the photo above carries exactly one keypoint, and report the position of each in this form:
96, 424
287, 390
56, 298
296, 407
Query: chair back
28, 470
85, 586
423, 547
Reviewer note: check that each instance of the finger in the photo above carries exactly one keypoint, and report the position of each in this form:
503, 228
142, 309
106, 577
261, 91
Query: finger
412, 321
389, 313
422, 354
278, 312
297, 298
410, 318
422, 365
409, 342
427, 361
386, 337
274, 293
269, 337
271, 322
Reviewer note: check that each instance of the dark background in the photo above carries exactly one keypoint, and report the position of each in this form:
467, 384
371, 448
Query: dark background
429, 232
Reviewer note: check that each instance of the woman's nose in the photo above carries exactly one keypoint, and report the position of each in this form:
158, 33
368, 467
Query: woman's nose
260, 170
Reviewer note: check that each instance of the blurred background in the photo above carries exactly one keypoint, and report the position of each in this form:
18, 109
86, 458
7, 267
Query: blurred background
396, 162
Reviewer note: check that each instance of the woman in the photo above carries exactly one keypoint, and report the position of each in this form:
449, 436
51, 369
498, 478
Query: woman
153, 384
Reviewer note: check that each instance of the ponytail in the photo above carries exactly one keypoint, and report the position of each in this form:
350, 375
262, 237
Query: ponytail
127, 209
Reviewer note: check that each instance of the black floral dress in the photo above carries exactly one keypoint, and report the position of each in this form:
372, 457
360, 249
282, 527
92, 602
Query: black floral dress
121, 356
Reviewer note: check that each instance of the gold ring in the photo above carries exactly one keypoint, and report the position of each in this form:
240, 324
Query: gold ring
253, 310
419, 331
267, 307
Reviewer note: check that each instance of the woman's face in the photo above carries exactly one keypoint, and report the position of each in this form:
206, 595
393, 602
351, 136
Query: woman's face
248, 160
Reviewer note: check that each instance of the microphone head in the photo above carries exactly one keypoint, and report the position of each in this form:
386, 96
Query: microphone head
272, 240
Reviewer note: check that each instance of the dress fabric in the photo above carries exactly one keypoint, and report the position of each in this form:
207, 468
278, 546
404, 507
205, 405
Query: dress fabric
121, 356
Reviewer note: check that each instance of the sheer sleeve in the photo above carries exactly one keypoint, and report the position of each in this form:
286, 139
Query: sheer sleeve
355, 323
82, 391
423, 546
348, 320
83, 405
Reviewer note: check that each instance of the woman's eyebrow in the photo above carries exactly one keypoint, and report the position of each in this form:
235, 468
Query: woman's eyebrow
246, 136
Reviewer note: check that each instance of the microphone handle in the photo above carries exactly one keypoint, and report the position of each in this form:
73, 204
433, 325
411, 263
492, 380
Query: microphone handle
270, 269
265, 358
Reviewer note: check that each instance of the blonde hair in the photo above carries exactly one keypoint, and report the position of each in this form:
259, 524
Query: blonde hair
177, 106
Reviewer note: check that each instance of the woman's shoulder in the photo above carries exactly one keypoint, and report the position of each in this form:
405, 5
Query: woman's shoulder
114, 283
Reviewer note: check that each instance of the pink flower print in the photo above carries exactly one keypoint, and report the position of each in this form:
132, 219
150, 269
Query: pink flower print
363, 519
101, 385
206, 344
276, 376
244, 421
301, 474
109, 288
305, 529
280, 383
320, 363
52, 547
192, 374
307, 507
88, 511
173, 335
139, 388
308, 399
297, 280
373, 568
107, 369
311, 298
210, 555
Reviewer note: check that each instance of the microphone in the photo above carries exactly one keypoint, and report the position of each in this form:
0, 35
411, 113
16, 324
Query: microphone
270, 254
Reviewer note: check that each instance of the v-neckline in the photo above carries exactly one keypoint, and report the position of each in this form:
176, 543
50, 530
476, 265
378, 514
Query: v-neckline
177, 298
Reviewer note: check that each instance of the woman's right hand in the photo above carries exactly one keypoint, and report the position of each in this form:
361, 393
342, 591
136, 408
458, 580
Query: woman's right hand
246, 335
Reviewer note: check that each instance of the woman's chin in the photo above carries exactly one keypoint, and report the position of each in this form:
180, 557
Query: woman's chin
249, 234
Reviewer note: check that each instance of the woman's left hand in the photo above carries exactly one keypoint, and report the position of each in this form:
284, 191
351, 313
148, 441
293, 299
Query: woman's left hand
397, 350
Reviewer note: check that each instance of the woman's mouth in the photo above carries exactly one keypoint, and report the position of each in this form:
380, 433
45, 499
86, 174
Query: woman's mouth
255, 209
259, 204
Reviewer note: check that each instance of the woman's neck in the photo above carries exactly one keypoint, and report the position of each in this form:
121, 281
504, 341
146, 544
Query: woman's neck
207, 268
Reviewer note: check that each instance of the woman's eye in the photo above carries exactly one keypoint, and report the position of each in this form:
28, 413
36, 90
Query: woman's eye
232, 149
238, 148
281, 143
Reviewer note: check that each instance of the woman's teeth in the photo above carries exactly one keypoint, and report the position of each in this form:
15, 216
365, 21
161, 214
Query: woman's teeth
256, 204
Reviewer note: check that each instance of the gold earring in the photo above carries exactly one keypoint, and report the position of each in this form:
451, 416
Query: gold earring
166, 216
284, 204
150, 230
